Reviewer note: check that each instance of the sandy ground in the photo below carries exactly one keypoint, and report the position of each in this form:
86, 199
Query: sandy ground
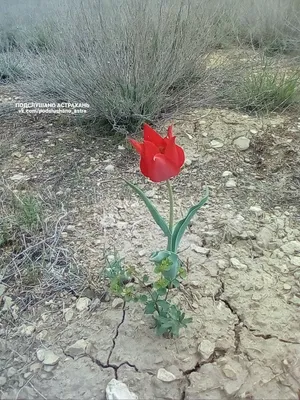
243, 252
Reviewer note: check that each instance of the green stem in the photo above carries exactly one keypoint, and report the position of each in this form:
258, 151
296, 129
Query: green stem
171, 215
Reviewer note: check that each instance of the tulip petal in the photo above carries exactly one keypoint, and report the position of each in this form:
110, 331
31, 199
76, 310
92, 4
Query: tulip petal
138, 146
152, 136
174, 152
162, 169
147, 158
170, 132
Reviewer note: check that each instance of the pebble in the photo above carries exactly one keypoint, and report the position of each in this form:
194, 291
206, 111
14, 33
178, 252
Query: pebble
231, 183
48, 368
2, 289
287, 286
77, 349
291, 248
295, 261
83, 303
226, 174
40, 354
253, 131
229, 372
216, 144
242, 143
69, 314
117, 303
188, 162
17, 177
109, 168
256, 210
8, 302
142, 253
200, 250
35, 367
50, 358
165, 376
2, 380
206, 349
11, 372
28, 330
117, 390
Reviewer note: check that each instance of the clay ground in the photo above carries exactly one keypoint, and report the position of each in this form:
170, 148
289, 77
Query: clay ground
64, 337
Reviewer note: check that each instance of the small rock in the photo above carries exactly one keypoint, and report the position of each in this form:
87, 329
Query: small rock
35, 367
206, 349
2, 380
49, 368
231, 183
286, 286
264, 237
109, 168
142, 253
2, 289
50, 358
242, 143
77, 349
40, 353
165, 376
42, 334
71, 228
256, 210
16, 154
117, 390
69, 314
11, 372
150, 193
200, 250
226, 174
17, 177
117, 303
8, 302
27, 330
216, 144
82, 304
295, 261
229, 372
120, 147
27, 375
188, 162
253, 131
291, 248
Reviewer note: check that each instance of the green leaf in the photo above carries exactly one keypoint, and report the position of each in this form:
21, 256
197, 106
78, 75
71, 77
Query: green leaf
181, 226
150, 308
167, 263
145, 278
161, 291
153, 210
143, 298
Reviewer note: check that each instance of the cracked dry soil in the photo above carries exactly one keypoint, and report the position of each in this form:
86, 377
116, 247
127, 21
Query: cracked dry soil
243, 292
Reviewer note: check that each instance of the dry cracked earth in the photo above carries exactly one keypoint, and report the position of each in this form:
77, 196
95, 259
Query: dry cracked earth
242, 250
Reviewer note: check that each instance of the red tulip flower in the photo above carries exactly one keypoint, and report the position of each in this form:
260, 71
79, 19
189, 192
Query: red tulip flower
161, 158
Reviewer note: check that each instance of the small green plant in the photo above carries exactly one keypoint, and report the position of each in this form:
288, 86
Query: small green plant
28, 211
125, 282
267, 90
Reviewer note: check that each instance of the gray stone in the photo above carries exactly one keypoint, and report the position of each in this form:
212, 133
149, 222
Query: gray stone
40, 353
165, 376
69, 314
264, 237
11, 372
2, 289
291, 248
229, 372
83, 303
117, 303
226, 174
117, 390
216, 144
49, 368
8, 302
77, 349
295, 261
256, 210
242, 143
2, 380
231, 183
206, 349
27, 330
109, 168
50, 358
